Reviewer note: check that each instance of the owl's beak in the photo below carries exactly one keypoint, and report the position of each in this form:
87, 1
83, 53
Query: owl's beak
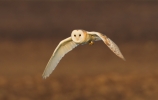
77, 39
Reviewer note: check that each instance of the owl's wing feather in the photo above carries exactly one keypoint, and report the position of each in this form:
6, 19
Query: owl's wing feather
109, 43
63, 47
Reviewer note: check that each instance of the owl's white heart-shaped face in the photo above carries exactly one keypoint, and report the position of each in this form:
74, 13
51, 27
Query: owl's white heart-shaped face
78, 36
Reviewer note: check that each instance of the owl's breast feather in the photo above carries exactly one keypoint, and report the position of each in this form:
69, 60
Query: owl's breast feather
88, 38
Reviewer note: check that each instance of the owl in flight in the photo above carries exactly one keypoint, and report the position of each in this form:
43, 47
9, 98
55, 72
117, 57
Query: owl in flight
78, 37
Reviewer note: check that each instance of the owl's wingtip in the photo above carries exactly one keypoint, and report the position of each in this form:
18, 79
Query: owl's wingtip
123, 58
45, 76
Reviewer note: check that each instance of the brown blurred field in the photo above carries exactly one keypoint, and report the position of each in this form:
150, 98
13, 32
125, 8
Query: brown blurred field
100, 75
30, 31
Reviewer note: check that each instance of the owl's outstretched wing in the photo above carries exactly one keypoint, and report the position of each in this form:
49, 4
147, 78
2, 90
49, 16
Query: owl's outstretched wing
63, 47
109, 43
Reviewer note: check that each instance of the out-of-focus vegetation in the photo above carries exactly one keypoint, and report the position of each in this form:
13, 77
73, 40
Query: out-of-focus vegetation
100, 75
131, 86
125, 21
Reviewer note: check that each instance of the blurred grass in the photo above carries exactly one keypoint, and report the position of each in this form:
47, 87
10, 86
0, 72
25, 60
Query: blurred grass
100, 75
114, 86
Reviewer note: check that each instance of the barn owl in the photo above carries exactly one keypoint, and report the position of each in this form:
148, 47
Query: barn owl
78, 37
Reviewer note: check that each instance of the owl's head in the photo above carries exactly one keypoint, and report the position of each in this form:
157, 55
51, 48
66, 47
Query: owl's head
78, 36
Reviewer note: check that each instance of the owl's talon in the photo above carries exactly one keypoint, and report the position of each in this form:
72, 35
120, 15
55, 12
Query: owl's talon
91, 43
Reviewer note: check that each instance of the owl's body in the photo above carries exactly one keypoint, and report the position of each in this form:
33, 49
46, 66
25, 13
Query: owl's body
78, 37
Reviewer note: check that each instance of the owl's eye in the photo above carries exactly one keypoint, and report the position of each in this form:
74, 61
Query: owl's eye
74, 35
79, 34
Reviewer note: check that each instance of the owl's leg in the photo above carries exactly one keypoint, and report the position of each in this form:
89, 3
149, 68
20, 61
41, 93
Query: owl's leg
91, 43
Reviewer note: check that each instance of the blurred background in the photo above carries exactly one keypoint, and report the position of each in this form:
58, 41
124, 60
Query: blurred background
30, 31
